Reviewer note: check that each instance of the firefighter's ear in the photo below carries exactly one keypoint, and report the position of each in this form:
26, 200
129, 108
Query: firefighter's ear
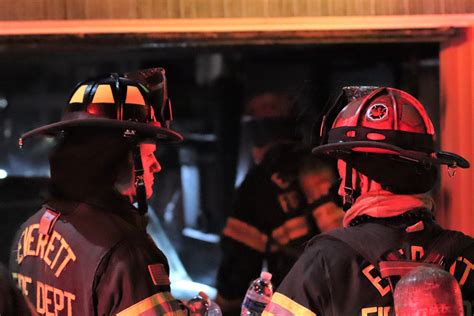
125, 176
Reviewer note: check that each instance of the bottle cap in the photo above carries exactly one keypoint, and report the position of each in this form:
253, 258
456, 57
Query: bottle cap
203, 295
266, 276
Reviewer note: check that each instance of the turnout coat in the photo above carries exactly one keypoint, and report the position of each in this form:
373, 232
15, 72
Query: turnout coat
338, 274
94, 258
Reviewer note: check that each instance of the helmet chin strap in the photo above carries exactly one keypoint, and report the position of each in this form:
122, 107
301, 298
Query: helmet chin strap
139, 181
351, 192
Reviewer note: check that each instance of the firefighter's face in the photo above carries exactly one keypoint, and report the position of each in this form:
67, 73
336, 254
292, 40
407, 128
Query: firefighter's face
150, 166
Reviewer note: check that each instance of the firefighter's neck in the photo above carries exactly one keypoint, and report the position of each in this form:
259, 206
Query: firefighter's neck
367, 185
126, 187
363, 183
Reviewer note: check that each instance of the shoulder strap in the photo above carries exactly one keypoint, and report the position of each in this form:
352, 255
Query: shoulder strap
352, 238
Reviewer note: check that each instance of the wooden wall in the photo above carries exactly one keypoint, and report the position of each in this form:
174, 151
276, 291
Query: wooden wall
154, 9
457, 117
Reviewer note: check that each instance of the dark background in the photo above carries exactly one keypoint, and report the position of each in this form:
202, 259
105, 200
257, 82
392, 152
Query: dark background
208, 87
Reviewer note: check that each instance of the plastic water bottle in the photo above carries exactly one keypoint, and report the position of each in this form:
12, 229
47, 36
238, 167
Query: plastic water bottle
258, 295
201, 305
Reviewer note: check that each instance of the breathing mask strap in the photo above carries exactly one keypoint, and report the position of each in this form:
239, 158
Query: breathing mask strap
351, 191
139, 181
348, 198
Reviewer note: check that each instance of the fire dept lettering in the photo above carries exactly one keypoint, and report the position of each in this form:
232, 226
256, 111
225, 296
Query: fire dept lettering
52, 249
50, 300
417, 253
467, 307
461, 263
375, 310
23, 282
460, 269
288, 201
374, 277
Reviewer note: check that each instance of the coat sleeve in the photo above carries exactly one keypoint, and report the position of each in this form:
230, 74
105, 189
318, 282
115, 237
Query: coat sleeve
306, 288
133, 280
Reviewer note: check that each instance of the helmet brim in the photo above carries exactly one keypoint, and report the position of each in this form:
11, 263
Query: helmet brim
343, 150
144, 132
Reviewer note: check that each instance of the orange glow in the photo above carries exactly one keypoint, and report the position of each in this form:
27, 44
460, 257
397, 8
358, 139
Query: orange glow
103, 94
217, 25
78, 96
457, 115
134, 96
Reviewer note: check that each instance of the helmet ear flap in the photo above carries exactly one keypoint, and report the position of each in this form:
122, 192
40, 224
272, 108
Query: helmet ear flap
396, 175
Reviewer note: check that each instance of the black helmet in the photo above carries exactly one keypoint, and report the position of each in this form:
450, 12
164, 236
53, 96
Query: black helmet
135, 104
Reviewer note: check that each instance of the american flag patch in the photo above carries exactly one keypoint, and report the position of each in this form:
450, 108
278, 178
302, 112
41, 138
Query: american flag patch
158, 274
47, 221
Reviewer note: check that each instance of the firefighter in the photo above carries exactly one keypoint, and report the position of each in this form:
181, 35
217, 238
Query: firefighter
384, 143
86, 250
271, 216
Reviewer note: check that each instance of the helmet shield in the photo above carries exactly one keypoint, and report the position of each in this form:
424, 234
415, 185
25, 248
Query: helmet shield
347, 95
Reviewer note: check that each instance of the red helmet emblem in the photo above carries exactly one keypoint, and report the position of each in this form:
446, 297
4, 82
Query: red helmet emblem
377, 112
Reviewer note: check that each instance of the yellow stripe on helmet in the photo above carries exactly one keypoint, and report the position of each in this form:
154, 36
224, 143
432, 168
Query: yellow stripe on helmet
134, 96
103, 94
78, 96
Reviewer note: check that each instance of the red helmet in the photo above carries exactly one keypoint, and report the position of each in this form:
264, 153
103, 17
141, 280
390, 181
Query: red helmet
136, 104
382, 127
385, 121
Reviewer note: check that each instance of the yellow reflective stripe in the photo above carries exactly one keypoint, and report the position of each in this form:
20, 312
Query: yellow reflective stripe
78, 96
103, 94
134, 96
328, 216
284, 306
292, 229
245, 234
162, 300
